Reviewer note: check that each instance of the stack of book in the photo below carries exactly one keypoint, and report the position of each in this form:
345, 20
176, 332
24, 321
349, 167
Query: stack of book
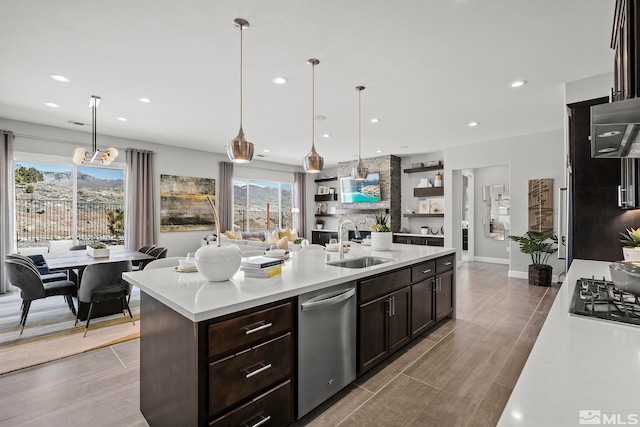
261, 266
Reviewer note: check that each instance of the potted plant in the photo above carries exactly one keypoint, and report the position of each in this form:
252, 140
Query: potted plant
98, 250
381, 236
631, 248
296, 245
540, 246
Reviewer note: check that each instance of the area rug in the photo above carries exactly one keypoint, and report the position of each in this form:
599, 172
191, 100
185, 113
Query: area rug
50, 333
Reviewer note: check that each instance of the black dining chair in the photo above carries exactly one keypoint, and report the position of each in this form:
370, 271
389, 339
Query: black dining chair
40, 264
139, 265
78, 248
103, 282
157, 253
25, 276
146, 249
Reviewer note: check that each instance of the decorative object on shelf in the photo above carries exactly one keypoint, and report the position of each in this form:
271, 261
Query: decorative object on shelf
332, 190
424, 183
218, 263
98, 250
323, 190
433, 163
416, 165
540, 246
81, 155
436, 205
359, 171
319, 224
381, 235
239, 149
631, 248
409, 210
321, 208
437, 181
313, 162
423, 206
425, 230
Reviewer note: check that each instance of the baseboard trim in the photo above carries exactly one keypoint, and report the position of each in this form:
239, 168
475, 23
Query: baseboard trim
525, 275
504, 261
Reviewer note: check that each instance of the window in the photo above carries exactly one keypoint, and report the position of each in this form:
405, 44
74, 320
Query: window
261, 205
57, 201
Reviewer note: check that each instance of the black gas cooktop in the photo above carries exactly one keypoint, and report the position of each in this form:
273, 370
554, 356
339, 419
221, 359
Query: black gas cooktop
600, 299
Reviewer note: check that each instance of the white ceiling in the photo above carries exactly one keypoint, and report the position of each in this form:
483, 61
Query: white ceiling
430, 67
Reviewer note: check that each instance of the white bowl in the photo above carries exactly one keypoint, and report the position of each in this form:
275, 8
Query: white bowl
185, 263
275, 252
333, 246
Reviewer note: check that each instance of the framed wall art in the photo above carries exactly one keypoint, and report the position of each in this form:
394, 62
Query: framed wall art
183, 203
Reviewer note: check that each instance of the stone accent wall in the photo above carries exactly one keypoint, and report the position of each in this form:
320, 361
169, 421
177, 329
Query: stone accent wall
361, 214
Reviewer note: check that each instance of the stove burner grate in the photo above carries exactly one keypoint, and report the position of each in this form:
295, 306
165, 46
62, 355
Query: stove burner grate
599, 298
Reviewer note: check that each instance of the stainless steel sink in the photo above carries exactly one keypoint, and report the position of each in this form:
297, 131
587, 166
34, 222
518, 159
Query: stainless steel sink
361, 262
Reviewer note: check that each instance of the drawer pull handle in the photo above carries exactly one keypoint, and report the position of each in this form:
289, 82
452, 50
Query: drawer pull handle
257, 371
448, 263
259, 328
259, 423
426, 271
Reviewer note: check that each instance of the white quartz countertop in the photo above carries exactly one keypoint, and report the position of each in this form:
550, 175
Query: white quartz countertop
578, 367
197, 299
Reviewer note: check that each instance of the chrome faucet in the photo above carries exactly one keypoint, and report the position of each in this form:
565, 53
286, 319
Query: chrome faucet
340, 247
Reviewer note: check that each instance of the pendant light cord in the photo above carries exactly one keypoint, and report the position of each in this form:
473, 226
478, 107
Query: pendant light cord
94, 133
359, 124
313, 105
241, 76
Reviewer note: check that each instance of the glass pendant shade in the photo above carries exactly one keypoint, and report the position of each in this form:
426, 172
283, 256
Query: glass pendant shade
359, 171
239, 149
313, 162
81, 155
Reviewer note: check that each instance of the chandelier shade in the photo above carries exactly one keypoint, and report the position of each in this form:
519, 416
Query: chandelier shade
82, 155
239, 149
359, 171
313, 162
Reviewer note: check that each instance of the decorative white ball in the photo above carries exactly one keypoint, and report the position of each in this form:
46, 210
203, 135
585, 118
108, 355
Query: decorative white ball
218, 264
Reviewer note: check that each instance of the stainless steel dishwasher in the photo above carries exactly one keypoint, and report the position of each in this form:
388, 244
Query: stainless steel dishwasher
326, 344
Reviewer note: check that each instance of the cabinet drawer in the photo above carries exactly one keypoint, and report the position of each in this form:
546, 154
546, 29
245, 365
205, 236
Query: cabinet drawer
275, 406
444, 264
242, 375
384, 284
423, 271
248, 329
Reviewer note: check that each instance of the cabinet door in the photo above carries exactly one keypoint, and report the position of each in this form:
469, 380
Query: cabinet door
399, 319
444, 295
421, 306
372, 333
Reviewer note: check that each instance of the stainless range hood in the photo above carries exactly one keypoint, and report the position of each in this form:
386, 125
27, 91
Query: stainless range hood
615, 129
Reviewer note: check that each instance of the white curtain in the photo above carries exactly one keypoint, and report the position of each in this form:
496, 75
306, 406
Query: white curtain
299, 198
141, 224
7, 204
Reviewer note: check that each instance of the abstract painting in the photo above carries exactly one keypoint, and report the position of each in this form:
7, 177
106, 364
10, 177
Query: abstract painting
541, 205
183, 203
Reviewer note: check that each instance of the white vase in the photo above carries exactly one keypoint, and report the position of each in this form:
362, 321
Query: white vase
631, 254
381, 241
218, 263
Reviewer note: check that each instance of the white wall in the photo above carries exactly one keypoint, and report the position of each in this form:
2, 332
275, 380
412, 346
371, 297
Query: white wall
170, 160
528, 157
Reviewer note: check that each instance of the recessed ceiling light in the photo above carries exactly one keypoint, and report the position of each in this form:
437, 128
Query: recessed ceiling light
51, 104
123, 119
59, 78
279, 80
326, 135
519, 83
474, 124
378, 151
145, 100
374, 120
266, 151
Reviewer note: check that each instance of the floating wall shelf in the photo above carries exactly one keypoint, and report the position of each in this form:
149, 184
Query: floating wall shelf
428, 192
326, 197
418, 215
425, 169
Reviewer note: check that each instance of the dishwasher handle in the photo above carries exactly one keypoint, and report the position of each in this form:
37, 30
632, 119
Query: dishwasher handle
322, 301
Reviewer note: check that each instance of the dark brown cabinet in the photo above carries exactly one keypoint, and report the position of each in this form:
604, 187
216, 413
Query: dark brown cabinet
418, 240
322, 237
625, 40
422, 297
443, 295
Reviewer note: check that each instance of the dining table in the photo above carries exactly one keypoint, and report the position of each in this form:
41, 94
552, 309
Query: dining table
79, 260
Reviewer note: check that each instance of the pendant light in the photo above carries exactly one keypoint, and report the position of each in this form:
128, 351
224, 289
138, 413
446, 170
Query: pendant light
81, 155
359, 171
239, 149
313, 162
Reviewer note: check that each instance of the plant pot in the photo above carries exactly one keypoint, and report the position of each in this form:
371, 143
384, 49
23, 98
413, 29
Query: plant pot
631, 254
218, 263
540, 275
98, 253
381, 240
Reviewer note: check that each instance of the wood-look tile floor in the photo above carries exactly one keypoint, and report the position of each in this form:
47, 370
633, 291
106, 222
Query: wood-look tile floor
459, 374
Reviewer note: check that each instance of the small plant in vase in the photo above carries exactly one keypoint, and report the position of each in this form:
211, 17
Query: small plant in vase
631, 248
381, 236
98, 250
540, 246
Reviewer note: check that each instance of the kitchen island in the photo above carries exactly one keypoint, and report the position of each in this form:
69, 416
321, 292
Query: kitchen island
581, 370
200, 340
